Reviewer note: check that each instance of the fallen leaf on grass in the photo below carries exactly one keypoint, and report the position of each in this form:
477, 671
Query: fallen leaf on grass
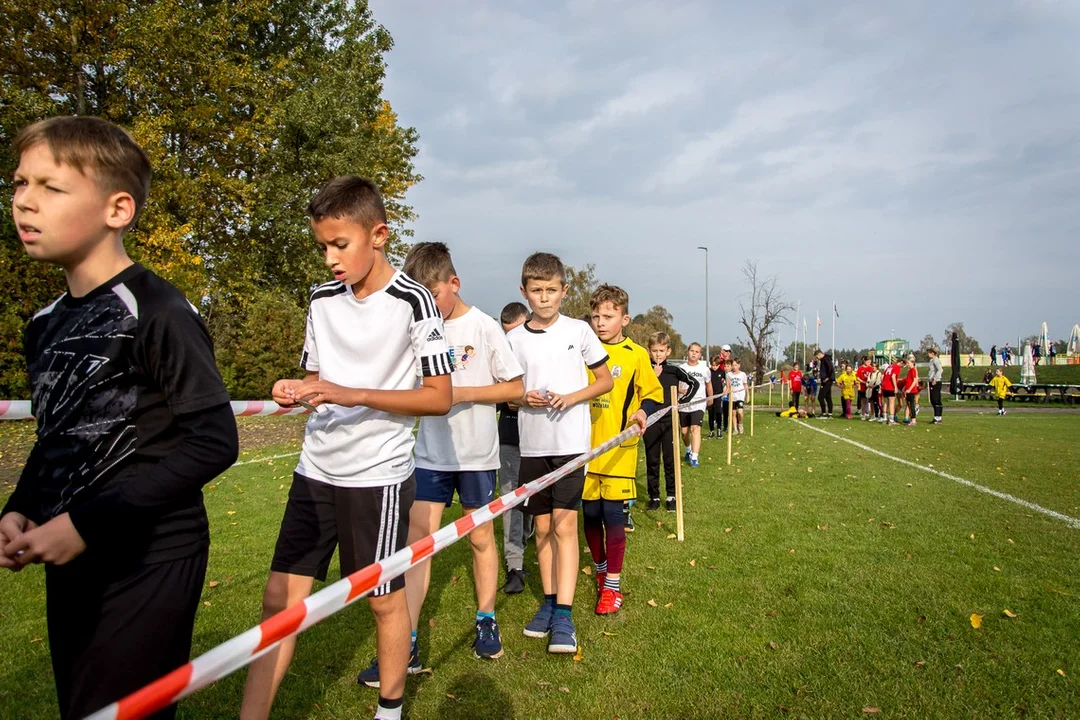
578, 657
564, 689
452, 697
976, 621
586, 570
871, 710
423, 671
693, 563
997, 569
1010, 541
672, 536
431, 622
212, 583
605, 633
230, 512
670, 604
727, 530
543, 683
1061, 672
773, 645
921, 663
909, 484
454, 580
1008, 613
823, 527
650, 567
659, 523
887, 524
207, 604
972, 536
792, 551
809, 469
34, 640
652, 603
922, 619
774, 613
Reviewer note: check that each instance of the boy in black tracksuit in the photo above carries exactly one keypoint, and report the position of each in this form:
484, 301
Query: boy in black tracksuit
658, 437
826, 378
717, 418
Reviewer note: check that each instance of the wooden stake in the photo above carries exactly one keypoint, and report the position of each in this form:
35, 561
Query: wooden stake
678, 467
730, 424
752, 409
770, 400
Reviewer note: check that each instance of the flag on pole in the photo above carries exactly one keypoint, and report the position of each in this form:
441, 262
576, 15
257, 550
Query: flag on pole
835, 311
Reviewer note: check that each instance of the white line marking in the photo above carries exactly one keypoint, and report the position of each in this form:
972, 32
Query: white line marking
259, 460
1070, 521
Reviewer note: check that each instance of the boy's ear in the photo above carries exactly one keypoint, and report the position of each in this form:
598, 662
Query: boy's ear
120, 210
379, 236
455, 283
524, 294
625, 320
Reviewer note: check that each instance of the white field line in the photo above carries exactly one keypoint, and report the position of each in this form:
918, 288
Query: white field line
265, 459
1070, 521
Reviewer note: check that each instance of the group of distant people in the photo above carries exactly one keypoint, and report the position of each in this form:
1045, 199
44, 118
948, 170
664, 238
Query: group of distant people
878, 392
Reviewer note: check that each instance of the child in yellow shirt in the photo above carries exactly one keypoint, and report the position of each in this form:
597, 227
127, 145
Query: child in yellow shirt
1001, 385
847, 382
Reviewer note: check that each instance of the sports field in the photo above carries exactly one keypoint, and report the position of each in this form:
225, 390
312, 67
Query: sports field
817, 579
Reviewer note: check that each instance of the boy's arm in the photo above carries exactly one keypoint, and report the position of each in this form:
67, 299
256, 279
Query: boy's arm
708, 392
602, 384
691, 383
490, 394
506, 369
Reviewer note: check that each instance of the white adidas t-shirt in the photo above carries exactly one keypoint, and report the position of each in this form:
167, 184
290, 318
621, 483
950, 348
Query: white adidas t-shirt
554, 359
702, 373
468, 437
376, 343
737, 385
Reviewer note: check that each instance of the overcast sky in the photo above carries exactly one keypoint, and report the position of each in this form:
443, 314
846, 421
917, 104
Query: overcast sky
918, 163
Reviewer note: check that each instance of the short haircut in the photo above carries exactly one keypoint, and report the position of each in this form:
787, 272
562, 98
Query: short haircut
819, 351
542, 266
693, 345
98, 149
513, 312
429, 263
351, 197
659, 338
932, 350
610, 294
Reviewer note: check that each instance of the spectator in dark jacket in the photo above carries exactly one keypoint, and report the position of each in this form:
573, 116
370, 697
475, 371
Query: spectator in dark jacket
826, 378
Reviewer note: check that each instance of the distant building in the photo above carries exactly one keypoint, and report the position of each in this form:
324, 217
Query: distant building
897, 347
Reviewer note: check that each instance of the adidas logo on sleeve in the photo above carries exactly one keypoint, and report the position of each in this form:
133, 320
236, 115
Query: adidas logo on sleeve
435, 335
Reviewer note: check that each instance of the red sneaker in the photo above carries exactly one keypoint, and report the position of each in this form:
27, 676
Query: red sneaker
610, 602
600, 578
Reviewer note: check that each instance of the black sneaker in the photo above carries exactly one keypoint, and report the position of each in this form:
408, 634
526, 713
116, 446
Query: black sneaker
670, 505
370, 676
654, 504
628, 521
515, 581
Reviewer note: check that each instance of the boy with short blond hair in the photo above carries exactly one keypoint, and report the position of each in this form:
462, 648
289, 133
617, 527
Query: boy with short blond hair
370, 332
690, 419
459, 452
659, 442
610, 479
737, 383
132, 420
554, 422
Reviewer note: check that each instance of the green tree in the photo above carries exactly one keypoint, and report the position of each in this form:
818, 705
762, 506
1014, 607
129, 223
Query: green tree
245, 108
582, 284
967, 343
656, 319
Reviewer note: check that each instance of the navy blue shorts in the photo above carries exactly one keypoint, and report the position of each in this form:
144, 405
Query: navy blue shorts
475, 488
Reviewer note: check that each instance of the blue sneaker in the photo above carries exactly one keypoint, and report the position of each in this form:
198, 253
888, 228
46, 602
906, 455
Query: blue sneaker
687, 456
370, 677
694, 463
487, 644
540, 625
563, 636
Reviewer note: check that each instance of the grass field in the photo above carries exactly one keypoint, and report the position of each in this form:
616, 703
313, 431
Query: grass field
816, 580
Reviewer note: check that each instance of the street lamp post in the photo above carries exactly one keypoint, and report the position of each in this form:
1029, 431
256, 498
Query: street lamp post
702, 247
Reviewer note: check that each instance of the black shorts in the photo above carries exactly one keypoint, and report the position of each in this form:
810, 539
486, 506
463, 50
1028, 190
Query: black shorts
694, 417
115, 627
739, 404
565, 494
888, 393
369, 524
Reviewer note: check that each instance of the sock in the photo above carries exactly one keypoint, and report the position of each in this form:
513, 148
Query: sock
388, 709
693, 456
601, 567
671, 498
413, 645
549, 600
481, 615
562, 610
611, 582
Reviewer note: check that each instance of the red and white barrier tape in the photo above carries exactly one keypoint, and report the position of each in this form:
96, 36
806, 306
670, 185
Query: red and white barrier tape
246, 647
20, 409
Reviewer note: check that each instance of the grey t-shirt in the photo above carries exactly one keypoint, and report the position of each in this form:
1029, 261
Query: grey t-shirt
935, 369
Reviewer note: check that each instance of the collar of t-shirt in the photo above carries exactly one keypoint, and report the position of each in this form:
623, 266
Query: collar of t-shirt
67, 300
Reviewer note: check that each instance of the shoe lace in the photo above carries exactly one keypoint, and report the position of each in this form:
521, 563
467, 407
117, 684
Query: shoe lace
485, 630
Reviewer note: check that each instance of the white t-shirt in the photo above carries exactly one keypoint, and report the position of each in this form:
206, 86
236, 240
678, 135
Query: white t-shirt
737, 386
702, 373
376, 343
555, 359
468, 437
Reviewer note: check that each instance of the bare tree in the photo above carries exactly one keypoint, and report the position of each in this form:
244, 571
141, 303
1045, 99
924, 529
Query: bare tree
762, 312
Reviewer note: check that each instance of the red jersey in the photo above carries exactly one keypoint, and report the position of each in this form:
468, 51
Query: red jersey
889, 377
911, 381
795, 378
861, 374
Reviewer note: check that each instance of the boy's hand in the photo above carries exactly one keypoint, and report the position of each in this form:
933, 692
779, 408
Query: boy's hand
561, 402
12, 526
284, 392
56, 542
460, 395
641, 419
318, 392
538, 398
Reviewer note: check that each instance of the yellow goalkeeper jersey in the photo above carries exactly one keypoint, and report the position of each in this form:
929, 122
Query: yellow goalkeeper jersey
635, 380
